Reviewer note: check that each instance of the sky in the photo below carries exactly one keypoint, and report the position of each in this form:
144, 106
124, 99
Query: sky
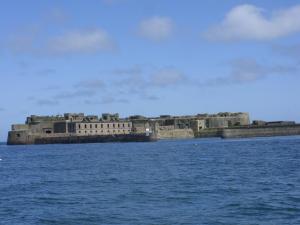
149, 57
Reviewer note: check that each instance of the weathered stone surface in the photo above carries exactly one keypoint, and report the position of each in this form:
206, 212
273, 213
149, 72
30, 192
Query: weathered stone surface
263, 131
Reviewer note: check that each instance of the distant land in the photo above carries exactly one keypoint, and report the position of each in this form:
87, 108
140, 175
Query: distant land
79, 128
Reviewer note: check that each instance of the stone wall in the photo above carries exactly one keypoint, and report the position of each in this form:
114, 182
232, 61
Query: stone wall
174, 133
209, 133
261, 131
19, 138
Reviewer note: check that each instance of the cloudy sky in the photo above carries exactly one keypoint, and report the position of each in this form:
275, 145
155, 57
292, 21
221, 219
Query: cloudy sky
149, 57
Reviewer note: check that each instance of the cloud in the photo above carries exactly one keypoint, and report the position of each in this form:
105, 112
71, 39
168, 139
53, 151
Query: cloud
247, 71
51, 88
57, 15
46, 102
167, 77
156, 28
91, 41
128, 71
90, 84
24, 41
75, 94
292, 51
106, 100
46, 72
248, 22
33, 41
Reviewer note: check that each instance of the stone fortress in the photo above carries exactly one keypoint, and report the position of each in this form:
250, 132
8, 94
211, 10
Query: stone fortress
164, 126
78, 128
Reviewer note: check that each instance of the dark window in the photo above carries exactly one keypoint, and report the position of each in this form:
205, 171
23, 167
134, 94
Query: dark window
123, 125
79, 126
101, 125
107, 125
18, 135
129, 125
113, 125
85, 126
96, 126
118, 125
91, 126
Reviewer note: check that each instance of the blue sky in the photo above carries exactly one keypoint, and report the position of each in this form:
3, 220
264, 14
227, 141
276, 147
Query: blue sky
149, 57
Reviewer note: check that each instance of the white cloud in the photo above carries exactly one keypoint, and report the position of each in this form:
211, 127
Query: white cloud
248, 22
156, 28
167, 77
244, 71
81, 42
71, 42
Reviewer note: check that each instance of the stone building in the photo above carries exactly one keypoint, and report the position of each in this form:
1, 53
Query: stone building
100, 128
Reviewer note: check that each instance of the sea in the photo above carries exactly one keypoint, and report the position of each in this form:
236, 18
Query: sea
194, 181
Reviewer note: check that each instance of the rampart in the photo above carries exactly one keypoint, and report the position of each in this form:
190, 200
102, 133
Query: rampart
261, 131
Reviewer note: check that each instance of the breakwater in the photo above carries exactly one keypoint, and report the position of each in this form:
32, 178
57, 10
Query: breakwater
260, 131
75, 139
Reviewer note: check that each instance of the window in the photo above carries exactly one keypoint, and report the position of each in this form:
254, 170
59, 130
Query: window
91, 126
79, 126
79, 131
113, 125
96, 125
118, 125
129, 125
107, 125
85, 126
101, 125
123, 125
18, 135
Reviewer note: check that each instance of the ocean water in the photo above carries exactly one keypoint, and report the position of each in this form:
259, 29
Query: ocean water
197, 181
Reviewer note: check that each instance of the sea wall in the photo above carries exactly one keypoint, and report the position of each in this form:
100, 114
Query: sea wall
175, 133
260, 131
19, 138
209, 133
24, 138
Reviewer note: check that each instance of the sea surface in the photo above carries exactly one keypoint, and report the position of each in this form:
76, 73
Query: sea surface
196, 181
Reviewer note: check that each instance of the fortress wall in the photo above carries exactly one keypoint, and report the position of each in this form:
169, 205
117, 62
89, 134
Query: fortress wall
217, 122
175, 133
19, 138
208, 133
260, 131
18, 127
244, 118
